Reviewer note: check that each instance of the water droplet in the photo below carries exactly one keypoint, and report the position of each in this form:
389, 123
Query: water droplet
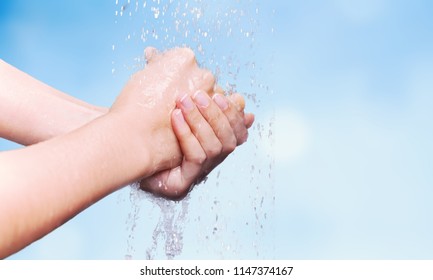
156, 12
224, 40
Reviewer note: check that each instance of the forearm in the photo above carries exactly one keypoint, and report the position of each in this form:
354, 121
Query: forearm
33, 111
44, 185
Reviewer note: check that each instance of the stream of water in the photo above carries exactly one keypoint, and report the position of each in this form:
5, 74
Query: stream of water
229, 215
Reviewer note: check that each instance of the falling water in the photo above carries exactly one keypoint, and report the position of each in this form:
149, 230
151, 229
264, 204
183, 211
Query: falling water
230, 216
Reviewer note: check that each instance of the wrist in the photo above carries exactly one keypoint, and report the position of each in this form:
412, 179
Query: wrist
152, 140
132, 147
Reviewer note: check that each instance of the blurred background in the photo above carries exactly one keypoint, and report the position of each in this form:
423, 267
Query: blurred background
338, 165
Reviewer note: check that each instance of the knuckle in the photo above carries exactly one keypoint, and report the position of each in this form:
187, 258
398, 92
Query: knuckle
215, 150
231, 145
243, 138
150, 53
198, 158
195, 120
208, 77
189, 54
239, 100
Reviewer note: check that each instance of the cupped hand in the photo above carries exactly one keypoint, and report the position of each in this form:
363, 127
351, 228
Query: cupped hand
208, 130
148, 99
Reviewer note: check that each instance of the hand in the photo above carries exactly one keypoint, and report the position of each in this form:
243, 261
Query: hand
208, 130
149, 98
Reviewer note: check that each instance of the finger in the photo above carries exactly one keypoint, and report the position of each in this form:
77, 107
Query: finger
205, 81
187, 54
249, 120
217, 120
150, 53
194, 155
176, 183
234, 117
200, 127
238, 100
218, 89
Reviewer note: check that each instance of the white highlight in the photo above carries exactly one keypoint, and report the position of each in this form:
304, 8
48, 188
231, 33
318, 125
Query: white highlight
291, 135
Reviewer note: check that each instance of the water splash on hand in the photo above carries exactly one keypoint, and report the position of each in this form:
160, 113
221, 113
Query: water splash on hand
231, 215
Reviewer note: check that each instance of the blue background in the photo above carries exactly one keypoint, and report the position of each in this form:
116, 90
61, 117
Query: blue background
338, 165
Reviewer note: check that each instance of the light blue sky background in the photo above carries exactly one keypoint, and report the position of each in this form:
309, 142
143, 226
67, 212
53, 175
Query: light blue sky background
344, 87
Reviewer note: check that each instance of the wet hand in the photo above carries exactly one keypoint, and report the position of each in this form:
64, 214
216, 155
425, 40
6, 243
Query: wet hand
149, 97
208, 130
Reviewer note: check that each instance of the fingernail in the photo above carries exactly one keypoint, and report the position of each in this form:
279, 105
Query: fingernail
186, 102
201, 99
221, 101
178, 115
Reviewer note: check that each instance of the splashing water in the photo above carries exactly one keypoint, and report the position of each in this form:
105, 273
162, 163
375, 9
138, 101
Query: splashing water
169, 228
229, 216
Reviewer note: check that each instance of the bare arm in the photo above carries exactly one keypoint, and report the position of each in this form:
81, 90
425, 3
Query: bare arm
32, 111
44, 185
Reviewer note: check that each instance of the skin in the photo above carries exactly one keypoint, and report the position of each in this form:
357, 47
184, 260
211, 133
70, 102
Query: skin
46, 110
83, 152
208, 126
